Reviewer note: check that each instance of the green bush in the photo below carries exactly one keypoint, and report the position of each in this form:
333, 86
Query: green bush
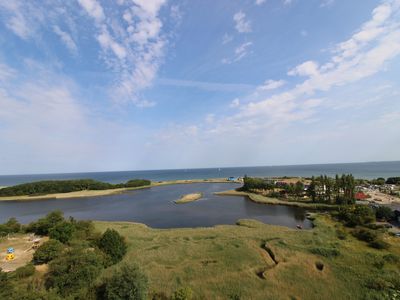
113, 244
391, 258
182, 294
356, 215
379, 244
384, 213
25, 271
62, 231
127, 283
365, 235
74, 270
43, 225
11, 226
341, 234
137, 183
48, 251
326, 252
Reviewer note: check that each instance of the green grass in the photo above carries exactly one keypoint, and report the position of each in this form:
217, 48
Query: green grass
258, 261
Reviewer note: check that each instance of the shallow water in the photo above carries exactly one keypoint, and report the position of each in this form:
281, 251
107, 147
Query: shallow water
155, 208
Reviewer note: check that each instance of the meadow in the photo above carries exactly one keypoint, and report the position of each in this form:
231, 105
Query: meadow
256, 261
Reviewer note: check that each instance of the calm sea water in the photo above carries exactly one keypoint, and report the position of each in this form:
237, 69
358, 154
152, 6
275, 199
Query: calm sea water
155, 207
359, 170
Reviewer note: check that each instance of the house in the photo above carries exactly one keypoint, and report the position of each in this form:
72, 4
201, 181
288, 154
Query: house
360, 196
232, 178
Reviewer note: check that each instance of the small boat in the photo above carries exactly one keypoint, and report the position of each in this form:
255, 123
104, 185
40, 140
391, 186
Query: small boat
299, 226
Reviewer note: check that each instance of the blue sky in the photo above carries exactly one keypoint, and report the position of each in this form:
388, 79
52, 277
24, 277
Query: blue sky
92, 85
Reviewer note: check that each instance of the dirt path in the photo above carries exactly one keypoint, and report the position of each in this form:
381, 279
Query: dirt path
22, 245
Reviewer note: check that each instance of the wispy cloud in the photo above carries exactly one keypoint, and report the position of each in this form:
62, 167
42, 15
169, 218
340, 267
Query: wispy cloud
272, 85
209, 86
240, 52
66, 39
241, 24
259, 2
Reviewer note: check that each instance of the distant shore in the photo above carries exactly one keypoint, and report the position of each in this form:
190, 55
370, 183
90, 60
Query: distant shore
96, 193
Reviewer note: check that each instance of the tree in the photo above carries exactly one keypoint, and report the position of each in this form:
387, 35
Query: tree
127, 283
43, 225
311, 191
113, 244
48, 251
74, 270
62, 231
299, 189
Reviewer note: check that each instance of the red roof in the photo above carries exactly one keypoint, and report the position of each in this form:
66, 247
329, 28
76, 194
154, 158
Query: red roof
360, 196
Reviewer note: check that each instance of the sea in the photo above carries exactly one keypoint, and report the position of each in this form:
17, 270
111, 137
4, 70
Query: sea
367, 170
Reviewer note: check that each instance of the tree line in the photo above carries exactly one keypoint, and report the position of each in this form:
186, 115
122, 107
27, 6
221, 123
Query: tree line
322, 189
66, 186
338, 190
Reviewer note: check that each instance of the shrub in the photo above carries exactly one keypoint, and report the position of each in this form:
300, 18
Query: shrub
356, 215
341, 234
48, 251
43, 225
379, 244
182, 294
62, 231
384, 213
113, 244
74, 270
11, 226
137, 183
391, 258
25, 271
326, 252
126, 283
365, 235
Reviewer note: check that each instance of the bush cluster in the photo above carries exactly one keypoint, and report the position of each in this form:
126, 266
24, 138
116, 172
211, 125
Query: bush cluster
11, 226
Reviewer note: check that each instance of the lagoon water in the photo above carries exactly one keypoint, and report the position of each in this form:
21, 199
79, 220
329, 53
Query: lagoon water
359, 170
155, 208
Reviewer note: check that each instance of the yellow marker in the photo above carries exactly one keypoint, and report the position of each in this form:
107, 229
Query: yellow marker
10, 256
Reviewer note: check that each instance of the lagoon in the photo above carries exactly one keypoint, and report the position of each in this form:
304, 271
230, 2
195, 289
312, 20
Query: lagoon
155, 207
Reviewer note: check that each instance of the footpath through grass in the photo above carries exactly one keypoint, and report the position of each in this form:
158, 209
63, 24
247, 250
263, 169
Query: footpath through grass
257, 261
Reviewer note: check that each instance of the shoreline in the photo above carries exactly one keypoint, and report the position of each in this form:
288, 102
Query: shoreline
273, 201
97, 193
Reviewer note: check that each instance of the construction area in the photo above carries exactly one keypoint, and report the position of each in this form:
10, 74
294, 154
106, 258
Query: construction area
17, 250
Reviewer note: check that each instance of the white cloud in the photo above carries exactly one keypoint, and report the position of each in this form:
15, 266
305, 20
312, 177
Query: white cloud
259, 2
235, 103
308, 68
227, 38
241, 24
66, 39
240, 52
326, 3
93, 9
271, 85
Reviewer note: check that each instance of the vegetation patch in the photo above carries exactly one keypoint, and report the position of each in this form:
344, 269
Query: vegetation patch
189, 198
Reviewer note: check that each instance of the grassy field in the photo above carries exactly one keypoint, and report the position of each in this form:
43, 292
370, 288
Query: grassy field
257, 261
